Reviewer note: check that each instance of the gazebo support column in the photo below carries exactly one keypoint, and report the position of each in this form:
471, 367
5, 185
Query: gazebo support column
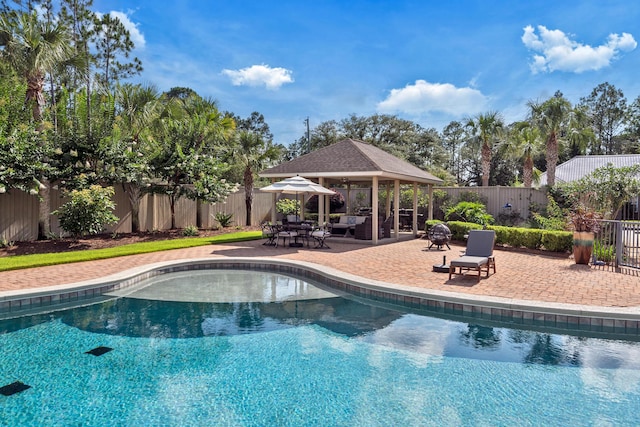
396, 208
274, 198
321, 204
430, 189
375, 226
415, 209
388, 207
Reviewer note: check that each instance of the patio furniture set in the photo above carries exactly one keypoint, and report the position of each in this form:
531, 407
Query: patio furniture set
295, 234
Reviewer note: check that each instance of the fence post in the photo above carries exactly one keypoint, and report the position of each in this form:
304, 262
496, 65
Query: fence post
619, 244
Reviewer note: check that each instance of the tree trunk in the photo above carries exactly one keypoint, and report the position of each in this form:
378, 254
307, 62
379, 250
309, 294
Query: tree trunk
34, 94
527, 173
552, 159
248, 194
172, 206
486, 164
133, 194
35, 87
44, 210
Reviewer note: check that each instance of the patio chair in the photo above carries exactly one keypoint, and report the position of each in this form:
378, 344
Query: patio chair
320, 237
479, 254
269, 232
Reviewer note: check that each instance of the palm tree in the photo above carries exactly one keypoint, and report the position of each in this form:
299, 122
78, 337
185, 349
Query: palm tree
488, 128
33, 48
526, 143
137, 108
551, 116
187, 139
253, 154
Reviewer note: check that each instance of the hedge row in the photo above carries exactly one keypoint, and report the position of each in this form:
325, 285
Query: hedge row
531, 238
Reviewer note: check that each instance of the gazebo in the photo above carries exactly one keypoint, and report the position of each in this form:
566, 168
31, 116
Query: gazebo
356, 162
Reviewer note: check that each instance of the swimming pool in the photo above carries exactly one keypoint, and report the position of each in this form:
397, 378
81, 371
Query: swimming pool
233, 347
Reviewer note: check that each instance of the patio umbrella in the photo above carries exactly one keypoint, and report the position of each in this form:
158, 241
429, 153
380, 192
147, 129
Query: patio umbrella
297, 185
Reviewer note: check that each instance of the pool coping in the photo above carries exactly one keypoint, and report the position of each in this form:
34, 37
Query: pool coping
558, 315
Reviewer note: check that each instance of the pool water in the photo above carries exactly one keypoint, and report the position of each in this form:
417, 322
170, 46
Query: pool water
191, 349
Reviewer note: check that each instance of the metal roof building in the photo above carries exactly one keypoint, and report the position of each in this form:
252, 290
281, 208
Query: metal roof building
581, 166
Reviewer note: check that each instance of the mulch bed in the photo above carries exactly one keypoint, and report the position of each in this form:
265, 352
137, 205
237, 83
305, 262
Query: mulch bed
100, 241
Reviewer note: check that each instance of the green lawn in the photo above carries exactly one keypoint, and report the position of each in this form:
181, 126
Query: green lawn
39, 260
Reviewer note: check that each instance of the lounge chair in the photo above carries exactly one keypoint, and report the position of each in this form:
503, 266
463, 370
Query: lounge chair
479, 254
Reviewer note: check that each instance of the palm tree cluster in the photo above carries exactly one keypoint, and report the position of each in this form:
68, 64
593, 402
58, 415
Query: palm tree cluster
484, 150
87, 126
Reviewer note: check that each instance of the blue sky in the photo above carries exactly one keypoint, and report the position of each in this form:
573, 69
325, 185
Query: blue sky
426, 61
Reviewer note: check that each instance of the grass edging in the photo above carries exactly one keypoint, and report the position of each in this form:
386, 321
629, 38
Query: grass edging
42, 260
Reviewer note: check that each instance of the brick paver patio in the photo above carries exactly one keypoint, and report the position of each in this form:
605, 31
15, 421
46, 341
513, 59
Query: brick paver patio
539, 277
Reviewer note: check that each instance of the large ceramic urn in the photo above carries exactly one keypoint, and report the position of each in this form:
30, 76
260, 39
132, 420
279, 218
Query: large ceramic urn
582, 246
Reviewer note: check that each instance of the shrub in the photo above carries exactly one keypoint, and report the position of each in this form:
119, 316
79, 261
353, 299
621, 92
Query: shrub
502, 234
224, 219
430, 223
552, 218
528, 237
604, 252
469, 212
190, 231
288, 206
88, 211
459, 229
557, 241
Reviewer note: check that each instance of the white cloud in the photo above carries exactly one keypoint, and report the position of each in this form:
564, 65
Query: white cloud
258, 75
424, 97
555, 51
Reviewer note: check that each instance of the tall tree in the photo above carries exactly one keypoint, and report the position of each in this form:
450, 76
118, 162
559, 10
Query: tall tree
488, 128
130, 145
253, 153
33, 48
633, 128
452, 141
551, 116
252, 149
189, 136
79, 18
606, 107
524, 143
114, 46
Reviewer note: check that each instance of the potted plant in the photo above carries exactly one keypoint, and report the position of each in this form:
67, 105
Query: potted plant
584, 222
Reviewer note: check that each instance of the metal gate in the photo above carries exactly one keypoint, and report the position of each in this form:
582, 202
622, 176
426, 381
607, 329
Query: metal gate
618, 243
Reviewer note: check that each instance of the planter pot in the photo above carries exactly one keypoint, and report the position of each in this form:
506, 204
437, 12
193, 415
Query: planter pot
582, 246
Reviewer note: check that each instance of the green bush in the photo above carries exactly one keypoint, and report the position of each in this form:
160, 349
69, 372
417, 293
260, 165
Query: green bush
288, 206
469, 212
604, 252
224, 219
88, 211
430, 223
530, 238
459, 229
503, 234
190, 231
557, 241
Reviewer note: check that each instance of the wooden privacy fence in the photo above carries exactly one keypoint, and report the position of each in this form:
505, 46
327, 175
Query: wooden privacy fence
501, 200
19, 210
19, 213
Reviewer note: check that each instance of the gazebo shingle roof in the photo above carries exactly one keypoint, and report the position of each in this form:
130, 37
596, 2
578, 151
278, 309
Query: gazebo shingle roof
351, 158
